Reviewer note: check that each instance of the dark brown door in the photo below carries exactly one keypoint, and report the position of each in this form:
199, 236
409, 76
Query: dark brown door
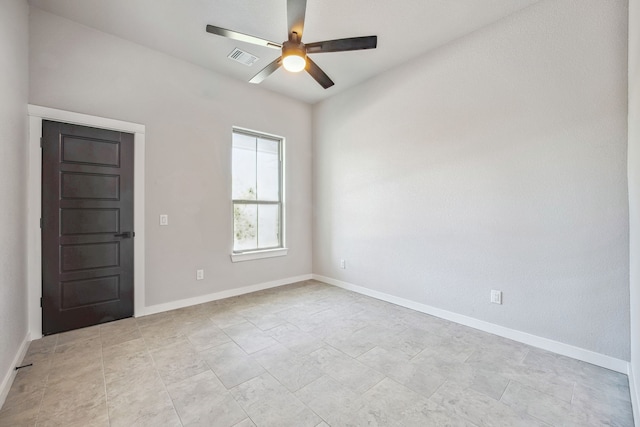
87, 226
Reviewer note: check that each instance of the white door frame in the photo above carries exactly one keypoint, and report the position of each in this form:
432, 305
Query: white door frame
34, 205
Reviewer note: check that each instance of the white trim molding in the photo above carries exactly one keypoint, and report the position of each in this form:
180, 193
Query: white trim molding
8, 378
34, 250
174, 305
248, 256
544, 343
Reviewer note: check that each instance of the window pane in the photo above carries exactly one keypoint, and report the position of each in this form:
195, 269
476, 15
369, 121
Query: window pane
268, 226
244, 167
267, 169
245, 227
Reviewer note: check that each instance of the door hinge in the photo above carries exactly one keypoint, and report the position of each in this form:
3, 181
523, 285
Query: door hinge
40, 142
40, 301
40, 222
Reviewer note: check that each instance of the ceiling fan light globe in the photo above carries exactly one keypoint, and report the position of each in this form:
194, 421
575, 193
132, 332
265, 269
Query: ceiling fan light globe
294, 63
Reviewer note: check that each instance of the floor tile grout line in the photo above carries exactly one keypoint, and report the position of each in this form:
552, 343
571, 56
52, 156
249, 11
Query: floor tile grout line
163, 383
104, 379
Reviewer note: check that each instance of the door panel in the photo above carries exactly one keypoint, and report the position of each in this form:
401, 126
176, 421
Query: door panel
89, 256
80, 293
89, 221
87, 210
92, 152
90, 186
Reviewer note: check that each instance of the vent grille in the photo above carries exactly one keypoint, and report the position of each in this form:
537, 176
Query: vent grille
242, 57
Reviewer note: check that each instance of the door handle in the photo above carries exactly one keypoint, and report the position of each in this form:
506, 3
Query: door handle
125, 235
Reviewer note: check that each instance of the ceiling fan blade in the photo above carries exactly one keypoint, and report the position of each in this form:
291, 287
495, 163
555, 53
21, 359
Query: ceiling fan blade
267, 71
242, 37
296, 10
341, 45
319, 75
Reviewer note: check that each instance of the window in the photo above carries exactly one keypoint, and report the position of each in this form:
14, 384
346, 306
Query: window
257, 193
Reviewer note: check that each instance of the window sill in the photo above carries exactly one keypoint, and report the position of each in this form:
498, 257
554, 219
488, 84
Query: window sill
248, 256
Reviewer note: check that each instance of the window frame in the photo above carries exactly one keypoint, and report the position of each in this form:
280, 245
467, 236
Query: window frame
272, 251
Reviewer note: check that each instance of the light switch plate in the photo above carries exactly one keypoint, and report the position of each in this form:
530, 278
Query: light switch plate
496, 297
164, 219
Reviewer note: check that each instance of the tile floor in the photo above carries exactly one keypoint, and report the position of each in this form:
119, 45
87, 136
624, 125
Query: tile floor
306, 354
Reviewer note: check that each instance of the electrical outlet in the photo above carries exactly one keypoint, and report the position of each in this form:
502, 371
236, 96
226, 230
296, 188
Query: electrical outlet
343, 264
496, 297
199, 274
164, 219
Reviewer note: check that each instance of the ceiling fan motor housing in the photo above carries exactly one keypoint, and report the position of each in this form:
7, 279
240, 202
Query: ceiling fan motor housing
295, 53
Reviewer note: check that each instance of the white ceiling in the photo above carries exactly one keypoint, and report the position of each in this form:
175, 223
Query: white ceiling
405, 29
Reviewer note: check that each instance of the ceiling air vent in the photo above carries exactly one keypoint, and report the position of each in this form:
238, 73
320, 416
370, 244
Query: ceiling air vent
242, 57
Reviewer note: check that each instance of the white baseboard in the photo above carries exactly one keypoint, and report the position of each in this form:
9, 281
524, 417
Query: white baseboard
7, 381
635, 398
588, 356
173, 305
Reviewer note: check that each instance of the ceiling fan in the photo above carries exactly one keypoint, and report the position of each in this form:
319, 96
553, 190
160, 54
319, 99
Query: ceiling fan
294, 53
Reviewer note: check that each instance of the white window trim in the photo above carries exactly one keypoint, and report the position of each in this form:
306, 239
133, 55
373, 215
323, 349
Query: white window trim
268, 253
273, 252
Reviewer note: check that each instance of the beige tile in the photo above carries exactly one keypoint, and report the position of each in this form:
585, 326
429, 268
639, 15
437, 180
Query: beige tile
123, 349
73, 394
411, 370
346, 370
388, 401
223, 317
537, 377
177, 361
23, 414
28, 385
78, 335
431, 414
204, 401
90, 416
161, 333
397, 365
16, 397
42, 346
70, 369
603, 406
76, 354
207, 335
154, 319
121, 373
294, 339
150, 409
76, 412
544, 407
249, 337
481, 409
264, 399
245, 423
334, 402
120, 334
291, 369
231, 364
263, 317
134, 382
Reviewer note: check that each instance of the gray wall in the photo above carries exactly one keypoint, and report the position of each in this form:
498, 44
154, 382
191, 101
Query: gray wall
14, 44
634, 192
188, 113
495, 162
